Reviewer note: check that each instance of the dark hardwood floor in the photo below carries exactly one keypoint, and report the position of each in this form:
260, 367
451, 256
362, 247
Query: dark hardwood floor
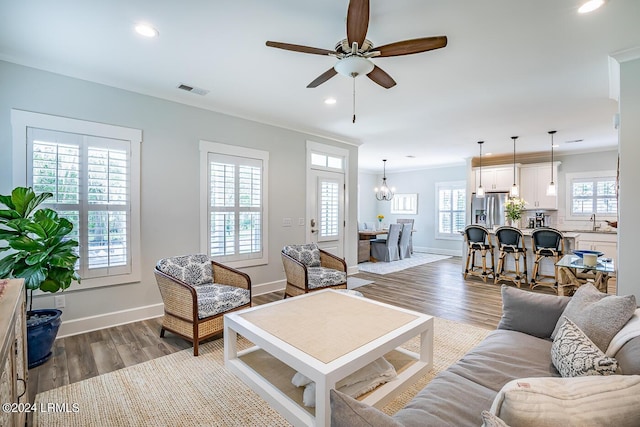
437, 288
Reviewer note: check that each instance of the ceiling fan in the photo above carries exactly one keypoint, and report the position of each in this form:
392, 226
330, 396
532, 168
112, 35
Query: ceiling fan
355, 51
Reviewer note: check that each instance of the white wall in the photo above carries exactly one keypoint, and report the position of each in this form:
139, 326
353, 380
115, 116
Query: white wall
629, 148
169, 179
423, 182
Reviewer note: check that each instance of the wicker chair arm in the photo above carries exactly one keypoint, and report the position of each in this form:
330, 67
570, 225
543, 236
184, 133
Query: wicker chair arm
329, 260
225, 275
179, 298
295, 271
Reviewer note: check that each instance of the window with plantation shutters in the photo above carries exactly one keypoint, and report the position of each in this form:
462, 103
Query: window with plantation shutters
592, 193
451, 206
235, 203
92, 170
329, 226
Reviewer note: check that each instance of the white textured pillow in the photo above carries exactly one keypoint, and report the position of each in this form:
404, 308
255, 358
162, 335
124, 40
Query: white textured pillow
568, 402
575, 355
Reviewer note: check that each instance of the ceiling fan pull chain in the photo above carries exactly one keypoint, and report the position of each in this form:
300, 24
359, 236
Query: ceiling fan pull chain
354, 97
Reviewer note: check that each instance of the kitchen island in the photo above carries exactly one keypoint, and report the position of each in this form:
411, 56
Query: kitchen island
546, 265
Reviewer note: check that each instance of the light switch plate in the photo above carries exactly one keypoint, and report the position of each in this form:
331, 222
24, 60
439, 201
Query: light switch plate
286, 222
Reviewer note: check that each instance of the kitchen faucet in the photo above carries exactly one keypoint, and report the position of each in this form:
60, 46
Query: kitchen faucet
593, 219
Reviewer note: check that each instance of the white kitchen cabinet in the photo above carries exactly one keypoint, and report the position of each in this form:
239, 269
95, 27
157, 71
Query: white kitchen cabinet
534, 180
603, 242
496, 178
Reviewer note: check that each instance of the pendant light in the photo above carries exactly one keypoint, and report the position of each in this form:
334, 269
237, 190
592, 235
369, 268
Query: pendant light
551, 189
384, 193
480, 189
515, 191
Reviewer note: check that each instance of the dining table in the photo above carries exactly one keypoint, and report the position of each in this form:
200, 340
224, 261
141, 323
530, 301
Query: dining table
573, 273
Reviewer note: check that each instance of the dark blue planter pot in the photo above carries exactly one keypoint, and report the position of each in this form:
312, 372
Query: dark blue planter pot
42, 329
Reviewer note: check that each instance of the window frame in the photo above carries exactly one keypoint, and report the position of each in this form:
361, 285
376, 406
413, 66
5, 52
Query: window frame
595, 176
449, 185
21, 120
208, 148
410, 199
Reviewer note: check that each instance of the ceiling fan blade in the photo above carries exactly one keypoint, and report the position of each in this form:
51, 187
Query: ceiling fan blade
407, 47
323, 78
381, 77
357, 21
300, 48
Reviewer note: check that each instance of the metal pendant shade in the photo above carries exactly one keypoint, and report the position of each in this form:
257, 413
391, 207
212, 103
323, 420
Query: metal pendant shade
384, 193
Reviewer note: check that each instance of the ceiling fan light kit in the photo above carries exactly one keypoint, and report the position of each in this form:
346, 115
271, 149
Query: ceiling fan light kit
353, 53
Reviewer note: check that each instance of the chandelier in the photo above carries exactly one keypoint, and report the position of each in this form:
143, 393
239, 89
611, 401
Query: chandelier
384, 193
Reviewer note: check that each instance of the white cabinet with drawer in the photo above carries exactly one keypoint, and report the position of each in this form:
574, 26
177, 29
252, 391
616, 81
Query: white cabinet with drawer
496, 178
606, 243
534, 180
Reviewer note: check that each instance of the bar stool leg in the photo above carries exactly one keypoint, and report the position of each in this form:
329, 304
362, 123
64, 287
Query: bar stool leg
500, 270
470, 253
484, 265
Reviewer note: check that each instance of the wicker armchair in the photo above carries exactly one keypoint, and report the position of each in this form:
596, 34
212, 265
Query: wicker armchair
309, 268
197, 292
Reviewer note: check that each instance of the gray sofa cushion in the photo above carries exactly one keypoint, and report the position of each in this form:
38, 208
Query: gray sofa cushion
501, 357
628, 357
349, 412
531, 313
599, 315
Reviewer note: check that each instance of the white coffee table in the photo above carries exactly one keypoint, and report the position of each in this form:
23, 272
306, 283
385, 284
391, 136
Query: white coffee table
326, 336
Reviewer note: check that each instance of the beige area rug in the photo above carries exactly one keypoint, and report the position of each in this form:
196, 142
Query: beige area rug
417, 258
180, 389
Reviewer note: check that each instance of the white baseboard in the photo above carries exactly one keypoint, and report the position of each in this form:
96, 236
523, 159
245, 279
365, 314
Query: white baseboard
265, 288
108, 320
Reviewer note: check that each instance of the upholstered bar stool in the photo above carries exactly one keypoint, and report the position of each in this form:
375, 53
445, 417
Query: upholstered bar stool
547, 243
478, 241
511, 242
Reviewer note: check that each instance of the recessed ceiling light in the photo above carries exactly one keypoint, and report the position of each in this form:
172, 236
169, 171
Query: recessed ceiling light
488, 154
590, 6
410, 156
330, 101
146, 30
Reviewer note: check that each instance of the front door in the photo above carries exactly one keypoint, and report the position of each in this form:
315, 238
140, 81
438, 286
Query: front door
326, 210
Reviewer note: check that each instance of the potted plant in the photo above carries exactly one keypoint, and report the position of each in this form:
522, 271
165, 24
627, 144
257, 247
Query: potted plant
40, 252
513, 210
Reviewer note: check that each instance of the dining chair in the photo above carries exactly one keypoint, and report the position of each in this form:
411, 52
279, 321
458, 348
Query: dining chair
405, 239
408, 221
387, 249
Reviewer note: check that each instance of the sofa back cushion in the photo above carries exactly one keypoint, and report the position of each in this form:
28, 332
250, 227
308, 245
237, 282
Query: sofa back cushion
191, 269
533, 314
308, 254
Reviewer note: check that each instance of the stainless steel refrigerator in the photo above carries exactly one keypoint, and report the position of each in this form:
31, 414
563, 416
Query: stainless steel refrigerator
489, 210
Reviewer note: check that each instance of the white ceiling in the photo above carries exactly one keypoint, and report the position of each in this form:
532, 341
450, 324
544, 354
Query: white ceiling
512, 67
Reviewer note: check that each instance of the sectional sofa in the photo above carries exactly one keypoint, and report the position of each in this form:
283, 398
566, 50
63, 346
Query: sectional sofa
568, 361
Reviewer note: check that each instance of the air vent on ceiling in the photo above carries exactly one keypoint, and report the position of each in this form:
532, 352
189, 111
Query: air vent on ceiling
193, 89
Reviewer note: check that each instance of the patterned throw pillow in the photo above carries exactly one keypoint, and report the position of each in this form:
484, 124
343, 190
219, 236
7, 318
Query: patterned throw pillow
308, 254
192, 269
575, 355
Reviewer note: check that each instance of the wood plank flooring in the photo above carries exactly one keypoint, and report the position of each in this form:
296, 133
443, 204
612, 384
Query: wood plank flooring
437, 288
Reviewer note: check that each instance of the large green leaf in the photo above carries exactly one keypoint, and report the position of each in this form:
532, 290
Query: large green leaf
35, 202
33, 276
37, 258
7, 214
6, 200
6, 265
50, 286
50, 226
25, 243
21, 196
36, 228
8, 234
45, 213
63, 259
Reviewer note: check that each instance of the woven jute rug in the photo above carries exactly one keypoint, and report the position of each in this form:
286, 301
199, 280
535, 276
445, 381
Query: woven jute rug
183, 390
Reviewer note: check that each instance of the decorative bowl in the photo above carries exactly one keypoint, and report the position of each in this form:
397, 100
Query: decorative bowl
581, 253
